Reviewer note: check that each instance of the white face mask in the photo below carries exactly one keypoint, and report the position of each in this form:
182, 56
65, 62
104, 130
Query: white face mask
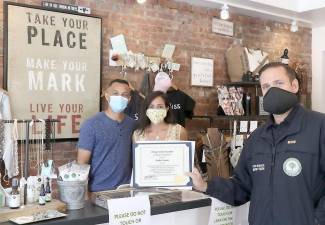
156, 115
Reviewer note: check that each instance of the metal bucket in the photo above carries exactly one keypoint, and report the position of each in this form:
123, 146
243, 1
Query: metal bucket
73, 193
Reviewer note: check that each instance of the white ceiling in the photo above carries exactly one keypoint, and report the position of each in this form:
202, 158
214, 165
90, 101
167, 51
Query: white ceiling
310, 13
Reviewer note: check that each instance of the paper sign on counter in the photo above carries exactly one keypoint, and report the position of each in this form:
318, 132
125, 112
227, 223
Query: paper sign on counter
126, 211
221, 213
224, 214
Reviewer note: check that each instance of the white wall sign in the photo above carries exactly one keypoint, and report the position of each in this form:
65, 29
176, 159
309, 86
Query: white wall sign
52, 67
125, 211
222, 27
119, 44
202, 72
168, 51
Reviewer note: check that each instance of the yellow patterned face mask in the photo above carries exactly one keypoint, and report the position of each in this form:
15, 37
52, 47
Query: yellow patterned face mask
156, 115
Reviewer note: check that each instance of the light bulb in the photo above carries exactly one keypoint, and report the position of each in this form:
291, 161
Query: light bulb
224, 12
141, 1
294, 26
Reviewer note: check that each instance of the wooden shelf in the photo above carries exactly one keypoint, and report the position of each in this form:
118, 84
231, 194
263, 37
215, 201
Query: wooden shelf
217, 117
243, 83
240, 117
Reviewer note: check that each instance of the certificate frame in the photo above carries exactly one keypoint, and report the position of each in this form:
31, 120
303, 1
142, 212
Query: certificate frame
161, 146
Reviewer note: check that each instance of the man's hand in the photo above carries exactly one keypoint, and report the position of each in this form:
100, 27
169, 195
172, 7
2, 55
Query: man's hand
198, 183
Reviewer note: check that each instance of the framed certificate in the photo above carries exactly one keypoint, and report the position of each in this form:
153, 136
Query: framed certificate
162, 164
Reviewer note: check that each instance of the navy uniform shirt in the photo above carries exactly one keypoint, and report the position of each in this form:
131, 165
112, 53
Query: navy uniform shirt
281, 171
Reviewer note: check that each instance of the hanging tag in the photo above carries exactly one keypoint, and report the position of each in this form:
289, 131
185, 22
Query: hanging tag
203, 156
243, 127
176, 66
154, 67
240, 140
235, 128
252, 126
48, 170
22, 183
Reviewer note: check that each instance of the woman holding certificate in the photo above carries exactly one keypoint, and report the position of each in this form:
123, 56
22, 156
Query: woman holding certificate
157, 122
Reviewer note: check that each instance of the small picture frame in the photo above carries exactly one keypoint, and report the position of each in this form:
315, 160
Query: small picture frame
201, 72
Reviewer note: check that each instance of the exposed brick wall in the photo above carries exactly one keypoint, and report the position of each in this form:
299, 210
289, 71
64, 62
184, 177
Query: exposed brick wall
148, 27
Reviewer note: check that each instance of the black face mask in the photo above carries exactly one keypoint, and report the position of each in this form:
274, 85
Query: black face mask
278, 101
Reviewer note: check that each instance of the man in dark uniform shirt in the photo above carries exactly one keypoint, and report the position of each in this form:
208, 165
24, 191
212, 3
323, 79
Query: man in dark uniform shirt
281, 170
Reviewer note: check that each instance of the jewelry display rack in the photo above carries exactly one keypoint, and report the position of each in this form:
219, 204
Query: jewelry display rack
48, 122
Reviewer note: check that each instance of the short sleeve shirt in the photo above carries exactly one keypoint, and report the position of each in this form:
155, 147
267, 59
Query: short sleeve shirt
110, 144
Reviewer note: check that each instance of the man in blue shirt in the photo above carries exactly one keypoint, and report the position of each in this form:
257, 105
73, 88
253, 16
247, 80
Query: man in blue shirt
105, 141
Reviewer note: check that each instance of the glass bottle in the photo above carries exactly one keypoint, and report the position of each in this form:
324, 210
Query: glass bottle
14, 198
285, 58
48, 195
41, 198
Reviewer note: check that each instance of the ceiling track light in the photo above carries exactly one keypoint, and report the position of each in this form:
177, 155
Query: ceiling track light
224, 14
294, 26
141, 1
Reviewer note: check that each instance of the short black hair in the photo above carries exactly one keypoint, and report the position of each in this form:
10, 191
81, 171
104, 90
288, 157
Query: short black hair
291, 73
121, 81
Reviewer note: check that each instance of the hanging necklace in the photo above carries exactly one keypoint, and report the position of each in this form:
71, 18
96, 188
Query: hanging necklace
41, 145
15, 146
32, 141
22, 145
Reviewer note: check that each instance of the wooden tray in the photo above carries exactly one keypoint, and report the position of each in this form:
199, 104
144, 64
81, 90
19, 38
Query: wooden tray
27, 210
51, 214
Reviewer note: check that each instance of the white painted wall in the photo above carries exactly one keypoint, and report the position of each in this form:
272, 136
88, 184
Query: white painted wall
304, 5
284, 4
318, 69
293, 5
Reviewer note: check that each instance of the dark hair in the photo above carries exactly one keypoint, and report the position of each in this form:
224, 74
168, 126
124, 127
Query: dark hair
120, 81
291, 73
144, 120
